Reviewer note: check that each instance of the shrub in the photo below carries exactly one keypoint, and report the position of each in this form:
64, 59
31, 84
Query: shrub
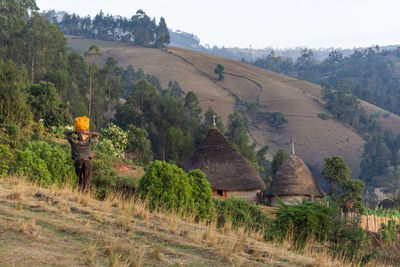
117, 136
275, 119
5, 158
241, 214
350, 241
389, 232
305, 221
45, 163
324, 116
103, 176
202, 194
165, 185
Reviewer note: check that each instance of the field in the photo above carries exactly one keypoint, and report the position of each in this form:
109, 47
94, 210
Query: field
61, 227
299, 101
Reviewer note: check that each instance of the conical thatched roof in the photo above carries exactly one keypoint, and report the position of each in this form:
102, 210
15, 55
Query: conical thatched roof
224, 166
294, 178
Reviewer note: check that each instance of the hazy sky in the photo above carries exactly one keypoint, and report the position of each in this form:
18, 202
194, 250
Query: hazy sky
262, 23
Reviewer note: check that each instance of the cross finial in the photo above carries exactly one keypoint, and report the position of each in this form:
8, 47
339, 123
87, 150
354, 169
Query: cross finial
292, 141
214, 124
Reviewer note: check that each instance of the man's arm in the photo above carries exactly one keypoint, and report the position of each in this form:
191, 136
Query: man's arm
94, 135
69, 135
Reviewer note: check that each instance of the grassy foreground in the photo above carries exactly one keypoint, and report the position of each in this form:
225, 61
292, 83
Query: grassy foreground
63, 227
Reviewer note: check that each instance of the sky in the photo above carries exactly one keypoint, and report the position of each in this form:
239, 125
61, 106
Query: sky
262, 23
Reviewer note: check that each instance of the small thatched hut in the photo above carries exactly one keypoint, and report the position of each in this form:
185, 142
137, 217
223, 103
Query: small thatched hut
293, 181
229, 173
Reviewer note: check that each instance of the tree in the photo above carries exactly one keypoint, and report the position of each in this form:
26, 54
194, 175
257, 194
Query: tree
162, 34
45, 104
91, 55
13, 97
113, 82
139, 143
279, 158
237, 134
344, 191
77, 84
220, 71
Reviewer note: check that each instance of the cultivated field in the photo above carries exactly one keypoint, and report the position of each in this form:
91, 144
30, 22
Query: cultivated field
300, 101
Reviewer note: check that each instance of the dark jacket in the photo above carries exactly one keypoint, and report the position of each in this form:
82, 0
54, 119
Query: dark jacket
82, 149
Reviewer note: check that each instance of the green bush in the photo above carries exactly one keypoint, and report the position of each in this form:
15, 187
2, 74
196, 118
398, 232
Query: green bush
202, 194
241, 214
167, 186
324, 116
103, 176
303, 221
350, 241
44, 163
5, 159
390, 232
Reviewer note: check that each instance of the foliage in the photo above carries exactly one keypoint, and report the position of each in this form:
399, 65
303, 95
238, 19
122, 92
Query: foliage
303, 221
166, 186
13, 106
45, 104
202, 194
139, 143
117, 136
173, 125
350, 241
279, 158
162, 34
346, 192
241, 214
324, 116
381, 212
103, 176
45, 163
389, 232
140, 29
220, 71
5, 160
275, 119
237, 133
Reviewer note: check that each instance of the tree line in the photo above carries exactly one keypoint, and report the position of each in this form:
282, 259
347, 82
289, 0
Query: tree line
140, 29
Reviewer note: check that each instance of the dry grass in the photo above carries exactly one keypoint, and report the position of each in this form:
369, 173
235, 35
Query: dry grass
122, 232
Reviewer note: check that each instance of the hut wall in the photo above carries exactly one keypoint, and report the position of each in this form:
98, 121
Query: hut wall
250, 196
273, 201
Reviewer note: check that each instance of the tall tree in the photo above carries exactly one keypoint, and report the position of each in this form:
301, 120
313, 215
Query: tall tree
113, 82
162, 35
344, 191
91, 55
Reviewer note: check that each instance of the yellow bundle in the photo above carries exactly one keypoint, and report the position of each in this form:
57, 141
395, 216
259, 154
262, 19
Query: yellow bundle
82, 123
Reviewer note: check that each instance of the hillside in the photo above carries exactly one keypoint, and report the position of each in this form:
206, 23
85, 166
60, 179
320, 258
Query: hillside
298, 100
41, 227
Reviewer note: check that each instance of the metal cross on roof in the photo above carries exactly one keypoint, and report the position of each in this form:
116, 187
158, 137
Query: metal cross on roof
214, 124
292, 141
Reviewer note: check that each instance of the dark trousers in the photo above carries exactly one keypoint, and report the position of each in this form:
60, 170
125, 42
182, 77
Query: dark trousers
83, 170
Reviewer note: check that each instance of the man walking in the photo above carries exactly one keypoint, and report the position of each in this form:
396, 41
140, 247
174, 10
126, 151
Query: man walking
81, 153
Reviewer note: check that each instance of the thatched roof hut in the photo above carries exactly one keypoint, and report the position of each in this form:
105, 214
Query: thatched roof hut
293, 180
228, 172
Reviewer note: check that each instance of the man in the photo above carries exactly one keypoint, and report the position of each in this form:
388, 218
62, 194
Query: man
81, 153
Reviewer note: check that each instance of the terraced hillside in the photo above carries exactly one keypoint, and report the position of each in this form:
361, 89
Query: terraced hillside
299, 101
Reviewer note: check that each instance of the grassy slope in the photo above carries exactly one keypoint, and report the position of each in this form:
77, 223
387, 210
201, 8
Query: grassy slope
298, 100
43, 227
